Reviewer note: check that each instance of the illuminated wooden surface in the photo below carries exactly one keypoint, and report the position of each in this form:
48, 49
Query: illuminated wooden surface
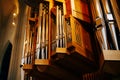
73, 64
68, 7
111, 62
41, 62
78, 9
60, 0
61, 50
27, 66
81, 39
111, 55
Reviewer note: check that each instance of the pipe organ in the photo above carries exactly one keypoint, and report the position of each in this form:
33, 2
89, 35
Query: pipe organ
57, 35
42, 48
36, 48
60, 33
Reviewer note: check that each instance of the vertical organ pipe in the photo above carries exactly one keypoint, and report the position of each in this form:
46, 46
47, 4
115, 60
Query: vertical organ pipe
104, 37
63, 31
43, 36
47, 24
103, 30
57, 25
60, 28
111, 25
112, 28
27, 37
39, 32
113, 34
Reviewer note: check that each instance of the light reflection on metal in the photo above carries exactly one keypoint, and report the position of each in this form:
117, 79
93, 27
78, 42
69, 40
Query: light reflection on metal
111, 25
60, 35
60, 28
103, 29
113, 34
63, 32
104, 38
46, 41
57, 25
107, 6
38, 45
102, 35
98, 8
42, 34
43, 37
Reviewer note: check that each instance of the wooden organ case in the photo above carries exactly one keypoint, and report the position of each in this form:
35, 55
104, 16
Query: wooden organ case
58, 42
37, 36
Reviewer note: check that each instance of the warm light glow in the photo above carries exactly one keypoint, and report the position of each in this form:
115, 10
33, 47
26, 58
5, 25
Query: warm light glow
17, 7
73, 4
107, 7
98, 8
14, 14
13, 23
109, 16
25, 41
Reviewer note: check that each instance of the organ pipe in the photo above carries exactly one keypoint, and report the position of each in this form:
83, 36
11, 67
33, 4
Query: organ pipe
39, 31
57, 25
43, 37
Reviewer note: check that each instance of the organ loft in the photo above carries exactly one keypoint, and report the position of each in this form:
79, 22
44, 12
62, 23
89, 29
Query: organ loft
60, 40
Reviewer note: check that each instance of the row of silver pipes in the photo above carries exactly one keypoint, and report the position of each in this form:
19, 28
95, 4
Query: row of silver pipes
41, 51
42, 35
101, 34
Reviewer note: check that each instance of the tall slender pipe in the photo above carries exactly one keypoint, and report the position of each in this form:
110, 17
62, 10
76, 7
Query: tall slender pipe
57, 25
103, 29
60, 28
104, 38
113, 34
111, 25
47, 24
38, 47
28, 35
43, 36
63, 32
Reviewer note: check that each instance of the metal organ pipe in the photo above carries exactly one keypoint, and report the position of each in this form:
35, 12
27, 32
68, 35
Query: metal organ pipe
29, 40
57, 25
104, 37
103, 28
110, 21
43, 37
38, 47
60, 28
42, 46
63, 32
113, 34
60, 36
47, 24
